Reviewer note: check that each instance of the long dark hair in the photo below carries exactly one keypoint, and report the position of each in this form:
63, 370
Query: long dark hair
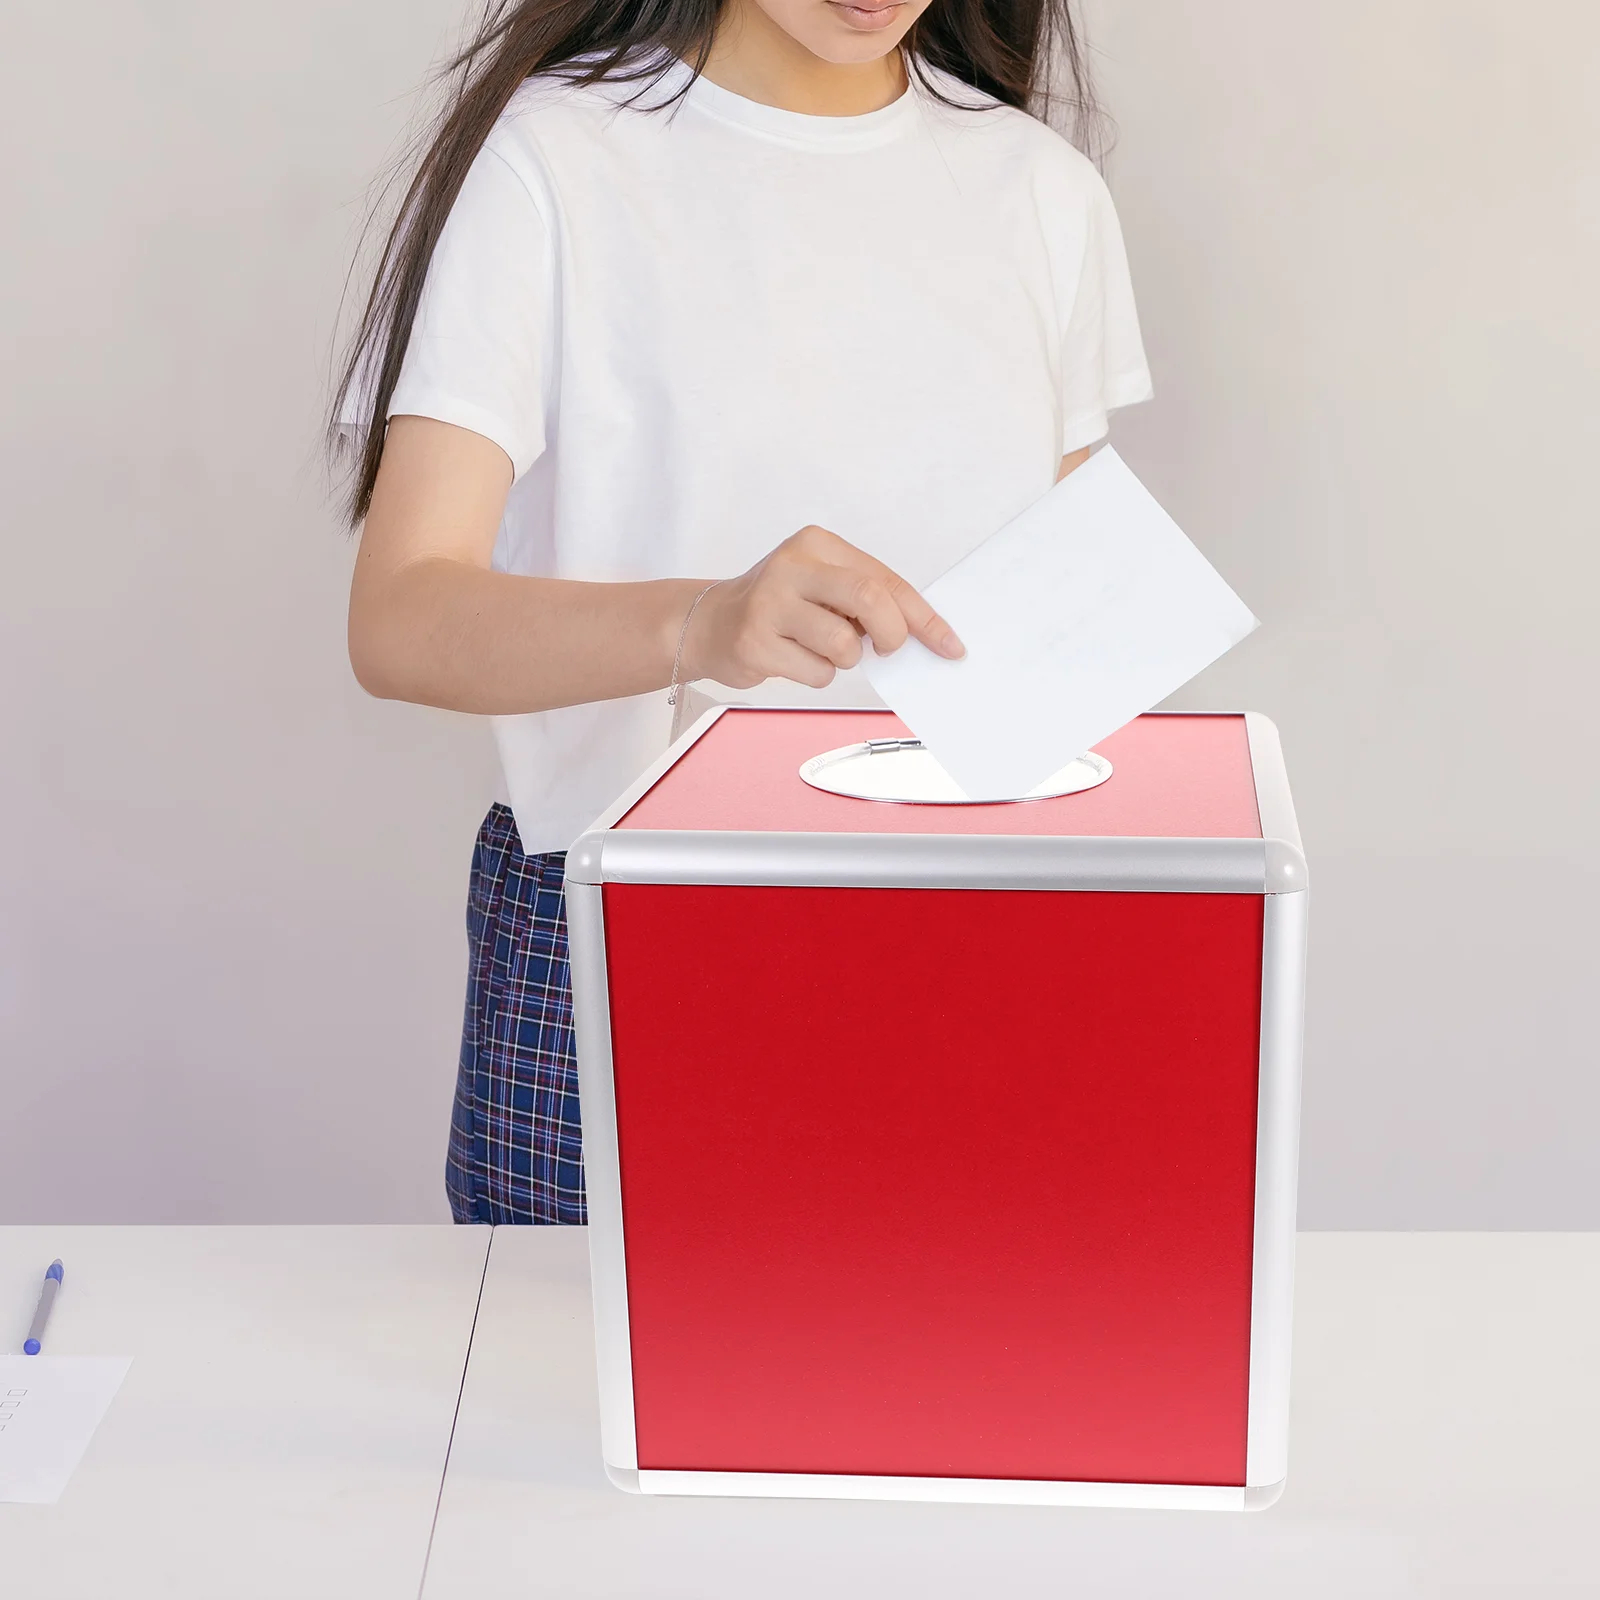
1025, 53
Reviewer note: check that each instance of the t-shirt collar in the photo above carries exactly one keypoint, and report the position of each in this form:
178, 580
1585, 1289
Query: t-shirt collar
795, 127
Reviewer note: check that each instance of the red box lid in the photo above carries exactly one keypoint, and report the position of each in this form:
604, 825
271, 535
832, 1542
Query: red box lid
1174, 775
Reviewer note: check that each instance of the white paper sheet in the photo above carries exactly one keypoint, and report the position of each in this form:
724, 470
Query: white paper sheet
1078, 615
49, 1409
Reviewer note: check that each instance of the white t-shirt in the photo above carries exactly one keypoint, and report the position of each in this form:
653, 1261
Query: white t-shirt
696, 330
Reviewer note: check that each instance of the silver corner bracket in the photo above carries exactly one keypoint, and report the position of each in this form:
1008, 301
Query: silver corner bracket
1285, 868
1280, 828
583, 859
1257, 1496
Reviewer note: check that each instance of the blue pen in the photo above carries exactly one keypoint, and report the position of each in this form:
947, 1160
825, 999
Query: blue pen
41, 1315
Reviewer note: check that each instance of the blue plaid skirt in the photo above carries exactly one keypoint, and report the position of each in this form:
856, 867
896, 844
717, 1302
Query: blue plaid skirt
516, 1146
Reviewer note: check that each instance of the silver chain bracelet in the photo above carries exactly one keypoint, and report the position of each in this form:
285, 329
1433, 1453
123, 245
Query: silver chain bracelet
683, 633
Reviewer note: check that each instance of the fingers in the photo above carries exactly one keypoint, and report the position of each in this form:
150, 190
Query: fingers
923, 622
864, 590
823, 632
801, 614
793, 661
857, 595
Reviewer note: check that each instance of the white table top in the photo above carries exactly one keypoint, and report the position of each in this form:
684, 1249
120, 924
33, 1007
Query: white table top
1447, 1396
283, 1429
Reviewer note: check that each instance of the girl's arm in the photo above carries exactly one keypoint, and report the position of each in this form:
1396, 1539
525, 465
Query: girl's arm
431, 623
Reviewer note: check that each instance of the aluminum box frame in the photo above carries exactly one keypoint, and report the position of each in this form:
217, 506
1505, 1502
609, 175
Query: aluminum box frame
1273, 866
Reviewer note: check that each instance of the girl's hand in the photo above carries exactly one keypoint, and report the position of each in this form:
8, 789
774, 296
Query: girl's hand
801, 614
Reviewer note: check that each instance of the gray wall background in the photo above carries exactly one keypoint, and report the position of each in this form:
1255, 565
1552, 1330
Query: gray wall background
1366, 240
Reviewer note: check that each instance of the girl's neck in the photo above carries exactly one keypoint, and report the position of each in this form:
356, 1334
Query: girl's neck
753, 57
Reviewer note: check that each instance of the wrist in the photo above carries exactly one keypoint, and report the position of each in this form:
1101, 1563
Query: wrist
684, 660
673, 598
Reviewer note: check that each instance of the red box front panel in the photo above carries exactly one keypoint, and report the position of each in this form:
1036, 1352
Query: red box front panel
938, 1182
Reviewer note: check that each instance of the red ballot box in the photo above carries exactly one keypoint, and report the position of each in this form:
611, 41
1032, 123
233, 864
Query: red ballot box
944, 1151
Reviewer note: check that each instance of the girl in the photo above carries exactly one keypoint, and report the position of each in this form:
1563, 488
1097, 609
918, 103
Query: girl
796, 295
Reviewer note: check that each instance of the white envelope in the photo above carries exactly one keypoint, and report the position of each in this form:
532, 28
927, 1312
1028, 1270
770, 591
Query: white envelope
1081, 613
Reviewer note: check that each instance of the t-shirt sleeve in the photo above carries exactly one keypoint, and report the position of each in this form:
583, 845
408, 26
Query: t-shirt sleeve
480, 354
1102, 356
